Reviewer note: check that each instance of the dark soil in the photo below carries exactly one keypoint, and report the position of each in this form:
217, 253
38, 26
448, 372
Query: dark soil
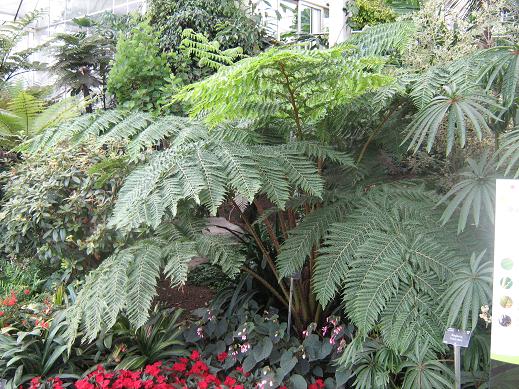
188, 297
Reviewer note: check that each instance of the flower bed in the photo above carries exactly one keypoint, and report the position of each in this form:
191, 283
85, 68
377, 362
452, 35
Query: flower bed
184, 373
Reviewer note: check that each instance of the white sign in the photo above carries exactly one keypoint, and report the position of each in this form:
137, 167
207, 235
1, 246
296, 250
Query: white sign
505, 302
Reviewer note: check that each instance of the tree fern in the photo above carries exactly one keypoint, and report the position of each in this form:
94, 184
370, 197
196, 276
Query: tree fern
278, 80
206, 172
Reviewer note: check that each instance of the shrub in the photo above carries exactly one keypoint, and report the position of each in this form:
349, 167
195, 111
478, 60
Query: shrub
54, 208
140, 71
371, 12
224, 21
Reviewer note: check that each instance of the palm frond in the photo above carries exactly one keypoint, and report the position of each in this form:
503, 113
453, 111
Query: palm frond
474, 193
454, 109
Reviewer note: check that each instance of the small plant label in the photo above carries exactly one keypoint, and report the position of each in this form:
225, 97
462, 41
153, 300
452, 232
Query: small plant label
456, 337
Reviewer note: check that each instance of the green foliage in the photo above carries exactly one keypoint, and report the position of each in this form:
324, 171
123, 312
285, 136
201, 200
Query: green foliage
27, 353
159, 339
286, 83
27, 116
237, 323
207, 53
14, 62
384, 38
371, 12
474, 193
225, 22
126, 281
206, 172
52, 208
390, 259
82, 58
423, 371
469, 290
139, 70
16, 277
456, 108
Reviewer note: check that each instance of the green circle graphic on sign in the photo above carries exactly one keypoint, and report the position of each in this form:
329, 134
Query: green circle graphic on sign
507, 264
506, 282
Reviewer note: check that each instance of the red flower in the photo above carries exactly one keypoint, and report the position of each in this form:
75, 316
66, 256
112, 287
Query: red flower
26, 291
35, 383
319, 384
153, 370
84, 384
222, 356
2, 313
199, 368
180, 367
195, 355
229, 381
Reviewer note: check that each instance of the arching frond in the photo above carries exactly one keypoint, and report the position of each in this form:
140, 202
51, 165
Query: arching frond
453, 109
474, 193
390, 259
315, 81
470, 289
126, 281
305, 237
208, 53
384, 38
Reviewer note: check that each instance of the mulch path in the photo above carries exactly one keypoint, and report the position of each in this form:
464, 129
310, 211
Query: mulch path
189, 297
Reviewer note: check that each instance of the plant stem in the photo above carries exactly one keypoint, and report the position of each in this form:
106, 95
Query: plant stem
269, 227
375, 133
292, 100
266, 284
263, 249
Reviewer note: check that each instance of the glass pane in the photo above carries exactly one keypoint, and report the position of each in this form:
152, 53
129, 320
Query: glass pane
76, 8
306, 20
57, 11
99, 5
316, 21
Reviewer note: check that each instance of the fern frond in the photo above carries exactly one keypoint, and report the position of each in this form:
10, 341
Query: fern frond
177, 257
391, 260
208, 53
64, 110
384, 38
305, 237
324, 79
222, 251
